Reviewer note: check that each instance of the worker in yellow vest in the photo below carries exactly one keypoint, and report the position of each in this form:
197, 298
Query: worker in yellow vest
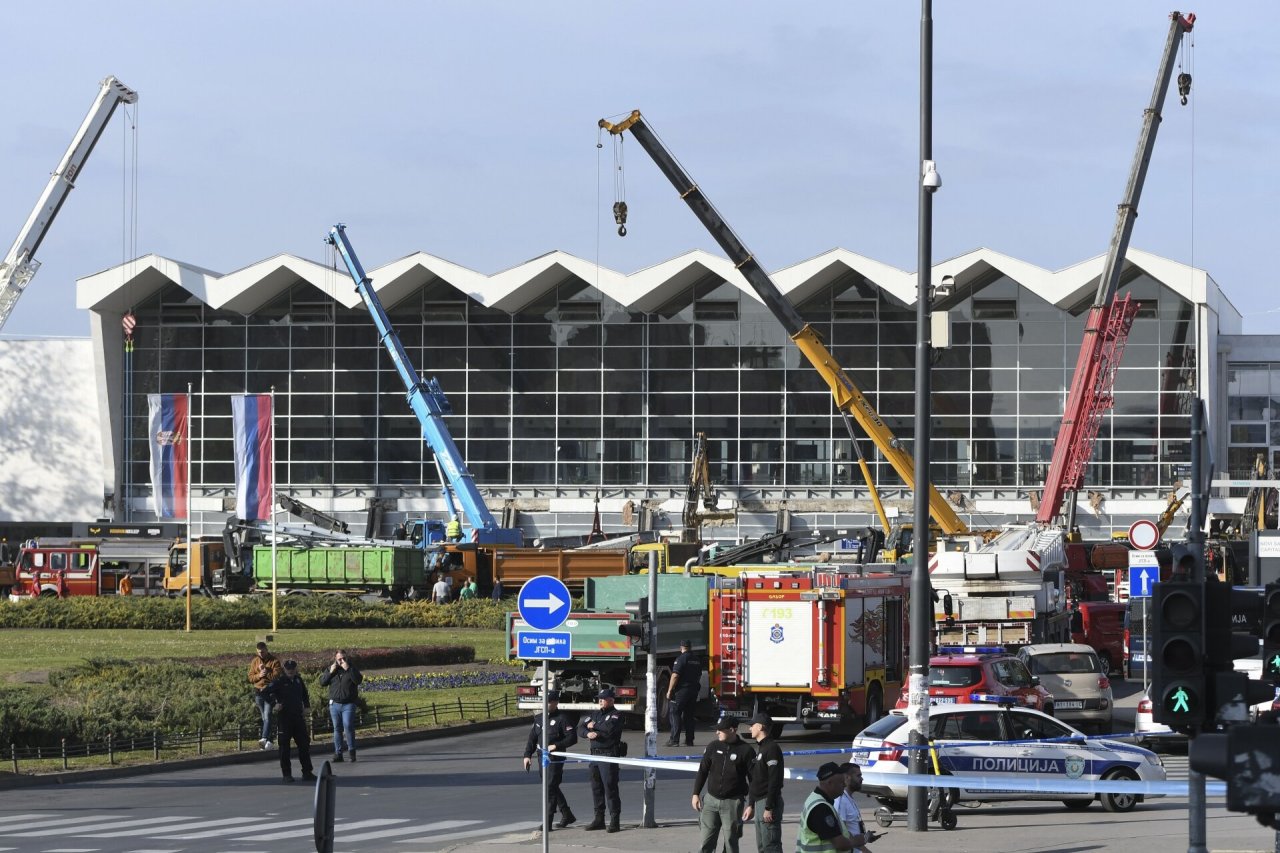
821, 830
453, 530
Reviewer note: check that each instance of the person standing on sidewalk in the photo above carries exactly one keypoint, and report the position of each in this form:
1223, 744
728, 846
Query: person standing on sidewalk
560, 736
343, 681
821, 830
292, 703
847, 809
604, 729
725, 766
764, 801
263, 669
682, 694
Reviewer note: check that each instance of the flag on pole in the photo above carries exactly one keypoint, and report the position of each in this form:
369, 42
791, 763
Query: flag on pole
167, 433
251, 425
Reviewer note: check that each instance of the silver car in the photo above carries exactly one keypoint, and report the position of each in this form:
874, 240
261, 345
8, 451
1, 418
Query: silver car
1076, 677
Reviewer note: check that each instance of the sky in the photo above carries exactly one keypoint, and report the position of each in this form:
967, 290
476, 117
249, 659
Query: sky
467, 130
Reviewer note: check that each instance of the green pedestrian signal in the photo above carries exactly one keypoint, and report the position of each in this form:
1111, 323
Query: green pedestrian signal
1180, 705
1273, 668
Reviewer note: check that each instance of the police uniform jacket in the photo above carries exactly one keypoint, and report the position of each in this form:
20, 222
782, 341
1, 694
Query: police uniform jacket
608, 729
689, 671
724, 769
560, 734
291, 692
766, 776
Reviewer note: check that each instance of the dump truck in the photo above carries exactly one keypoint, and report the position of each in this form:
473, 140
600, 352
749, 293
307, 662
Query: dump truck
602, 656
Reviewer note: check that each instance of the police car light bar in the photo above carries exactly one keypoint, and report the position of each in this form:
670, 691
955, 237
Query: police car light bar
993, 699
970, 650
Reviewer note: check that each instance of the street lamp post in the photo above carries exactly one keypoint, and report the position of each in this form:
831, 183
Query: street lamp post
921, 599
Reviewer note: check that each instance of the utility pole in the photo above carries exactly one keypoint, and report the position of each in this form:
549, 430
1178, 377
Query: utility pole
921, 599
1197, 835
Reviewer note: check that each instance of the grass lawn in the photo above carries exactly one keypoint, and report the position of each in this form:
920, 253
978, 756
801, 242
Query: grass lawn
34, 650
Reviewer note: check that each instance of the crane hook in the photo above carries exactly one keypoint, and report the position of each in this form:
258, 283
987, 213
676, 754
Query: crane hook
620, 217
1184, 87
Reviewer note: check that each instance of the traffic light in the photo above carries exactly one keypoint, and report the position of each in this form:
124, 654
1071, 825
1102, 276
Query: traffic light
638, 627
1231, 694
1245, 757
1177, 654
1271, 632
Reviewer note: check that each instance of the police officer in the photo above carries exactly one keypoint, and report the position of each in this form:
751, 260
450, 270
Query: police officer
723, 771
560, 736
682, 694
764, 801
603, 727
288, 694
821, 830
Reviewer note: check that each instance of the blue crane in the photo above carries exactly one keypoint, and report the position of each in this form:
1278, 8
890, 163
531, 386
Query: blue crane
431, 406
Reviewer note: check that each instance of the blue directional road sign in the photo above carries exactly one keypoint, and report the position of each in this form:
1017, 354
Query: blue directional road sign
1144, 571
544, 645
544, 603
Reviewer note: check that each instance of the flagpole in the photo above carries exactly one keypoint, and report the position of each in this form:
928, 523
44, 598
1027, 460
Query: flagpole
275, 592
191, 550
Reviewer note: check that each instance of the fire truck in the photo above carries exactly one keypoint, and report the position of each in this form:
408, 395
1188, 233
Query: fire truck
62, 567
816, 647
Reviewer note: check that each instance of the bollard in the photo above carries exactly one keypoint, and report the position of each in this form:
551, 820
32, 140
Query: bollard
239, 736
13, 753
64, 753
155, 744
435, 718
406, 717
377, 718
459, 707
111, 751
199, 740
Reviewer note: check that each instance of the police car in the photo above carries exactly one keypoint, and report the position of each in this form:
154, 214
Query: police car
989, 738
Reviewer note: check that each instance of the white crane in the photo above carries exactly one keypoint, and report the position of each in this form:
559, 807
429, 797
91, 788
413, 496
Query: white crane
19, 264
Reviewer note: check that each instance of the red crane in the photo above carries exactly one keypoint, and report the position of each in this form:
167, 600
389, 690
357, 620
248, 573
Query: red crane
1110, 318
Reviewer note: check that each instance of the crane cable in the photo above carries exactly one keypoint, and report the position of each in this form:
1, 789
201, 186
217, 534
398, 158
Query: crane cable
619, 185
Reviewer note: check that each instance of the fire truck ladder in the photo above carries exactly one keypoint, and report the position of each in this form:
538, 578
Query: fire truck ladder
730, 657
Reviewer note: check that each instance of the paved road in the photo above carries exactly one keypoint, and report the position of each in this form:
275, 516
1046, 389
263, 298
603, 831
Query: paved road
470, 793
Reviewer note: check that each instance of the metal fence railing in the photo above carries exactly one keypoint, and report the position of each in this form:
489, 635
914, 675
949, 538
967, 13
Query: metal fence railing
378, 719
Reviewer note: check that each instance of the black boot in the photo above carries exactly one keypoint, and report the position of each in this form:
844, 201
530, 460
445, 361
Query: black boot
566, 818
598, 823
613, 824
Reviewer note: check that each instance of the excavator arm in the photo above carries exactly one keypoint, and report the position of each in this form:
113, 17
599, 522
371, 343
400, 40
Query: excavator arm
848, 398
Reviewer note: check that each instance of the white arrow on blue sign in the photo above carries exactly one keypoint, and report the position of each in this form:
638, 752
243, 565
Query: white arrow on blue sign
1144, 571
543, 603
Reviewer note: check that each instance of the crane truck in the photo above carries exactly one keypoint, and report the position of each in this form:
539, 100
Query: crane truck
20, 263
1107, 329
431, 406
849, 399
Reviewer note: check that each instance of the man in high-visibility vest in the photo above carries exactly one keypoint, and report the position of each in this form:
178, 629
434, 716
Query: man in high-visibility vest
821, 830
453, 530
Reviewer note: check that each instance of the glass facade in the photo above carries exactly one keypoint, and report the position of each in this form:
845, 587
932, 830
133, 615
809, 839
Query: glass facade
1253, 418
576, 392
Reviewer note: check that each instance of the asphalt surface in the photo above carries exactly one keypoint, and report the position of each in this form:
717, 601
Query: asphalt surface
469, 793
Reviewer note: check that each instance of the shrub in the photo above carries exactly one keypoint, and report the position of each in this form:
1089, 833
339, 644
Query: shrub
295, 611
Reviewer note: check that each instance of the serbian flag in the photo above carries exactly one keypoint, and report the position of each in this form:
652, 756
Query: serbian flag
252, 429
168, 433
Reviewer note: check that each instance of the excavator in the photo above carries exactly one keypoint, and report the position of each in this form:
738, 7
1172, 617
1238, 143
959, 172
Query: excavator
851, 403
701, 492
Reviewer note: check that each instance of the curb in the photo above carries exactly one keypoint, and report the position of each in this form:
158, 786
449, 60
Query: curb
11, 781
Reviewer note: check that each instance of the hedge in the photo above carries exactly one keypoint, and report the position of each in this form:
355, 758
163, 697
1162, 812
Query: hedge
136, 698
295, 611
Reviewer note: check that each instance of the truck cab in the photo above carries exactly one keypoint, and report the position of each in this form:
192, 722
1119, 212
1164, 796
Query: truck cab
208, 572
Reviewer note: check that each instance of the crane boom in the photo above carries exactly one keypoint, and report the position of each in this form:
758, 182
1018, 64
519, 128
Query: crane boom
429, 403
19, 265
1107, 328
848, 398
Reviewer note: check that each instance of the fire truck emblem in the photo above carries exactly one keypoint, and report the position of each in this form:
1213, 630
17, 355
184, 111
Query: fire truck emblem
775, 634
1075, 767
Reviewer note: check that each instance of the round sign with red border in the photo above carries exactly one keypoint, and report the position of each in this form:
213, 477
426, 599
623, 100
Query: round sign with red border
1144, 535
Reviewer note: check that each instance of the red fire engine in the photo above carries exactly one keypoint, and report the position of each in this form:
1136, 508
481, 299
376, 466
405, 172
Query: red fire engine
63, 568
814, 647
